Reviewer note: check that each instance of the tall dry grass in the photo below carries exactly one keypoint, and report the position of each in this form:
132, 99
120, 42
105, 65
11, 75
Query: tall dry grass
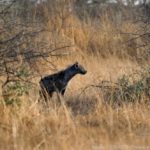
83, 120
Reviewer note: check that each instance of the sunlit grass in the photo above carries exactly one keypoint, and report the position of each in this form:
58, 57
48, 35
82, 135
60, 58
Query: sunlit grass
82, 120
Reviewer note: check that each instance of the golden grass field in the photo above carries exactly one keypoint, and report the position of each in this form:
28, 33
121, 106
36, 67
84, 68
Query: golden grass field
83, 121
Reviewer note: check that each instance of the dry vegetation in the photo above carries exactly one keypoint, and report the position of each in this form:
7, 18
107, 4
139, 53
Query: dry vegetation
84, 119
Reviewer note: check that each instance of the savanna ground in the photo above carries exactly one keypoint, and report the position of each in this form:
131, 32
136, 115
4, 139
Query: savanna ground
108, 108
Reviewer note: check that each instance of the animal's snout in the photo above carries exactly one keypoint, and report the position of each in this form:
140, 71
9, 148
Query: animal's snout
84, 72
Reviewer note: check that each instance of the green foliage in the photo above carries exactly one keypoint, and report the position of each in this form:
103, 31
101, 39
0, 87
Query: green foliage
15, 89
12, 101
129, 88
22, 72
19, 88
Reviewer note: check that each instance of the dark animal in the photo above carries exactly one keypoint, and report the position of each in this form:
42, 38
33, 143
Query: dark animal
58, 82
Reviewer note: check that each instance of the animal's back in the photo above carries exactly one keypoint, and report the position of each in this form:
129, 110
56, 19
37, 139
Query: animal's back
53, 82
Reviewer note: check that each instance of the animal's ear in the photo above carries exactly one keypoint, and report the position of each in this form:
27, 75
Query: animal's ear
76, 64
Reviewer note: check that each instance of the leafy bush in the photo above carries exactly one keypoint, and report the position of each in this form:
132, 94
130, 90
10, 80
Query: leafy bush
129, 88
16, 88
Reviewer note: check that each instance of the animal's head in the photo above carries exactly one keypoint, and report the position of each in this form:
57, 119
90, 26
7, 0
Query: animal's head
80, 69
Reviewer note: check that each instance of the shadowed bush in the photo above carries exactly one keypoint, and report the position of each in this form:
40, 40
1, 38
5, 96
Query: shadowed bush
128, 88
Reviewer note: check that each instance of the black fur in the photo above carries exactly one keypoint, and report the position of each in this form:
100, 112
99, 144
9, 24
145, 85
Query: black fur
58, 82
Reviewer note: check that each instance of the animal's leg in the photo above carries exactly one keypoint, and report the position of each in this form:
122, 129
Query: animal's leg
63, 92
44, 95
50, 94
41, 96
47, 96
